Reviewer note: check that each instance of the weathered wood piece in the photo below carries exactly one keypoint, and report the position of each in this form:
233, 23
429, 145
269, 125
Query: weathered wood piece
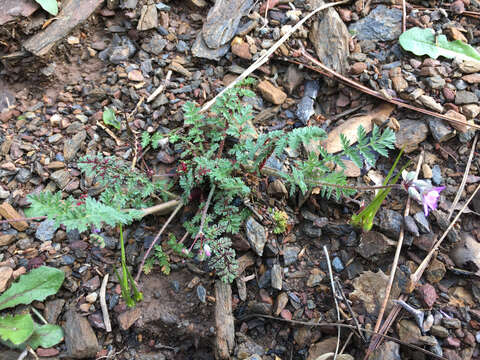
225, 340
73, 13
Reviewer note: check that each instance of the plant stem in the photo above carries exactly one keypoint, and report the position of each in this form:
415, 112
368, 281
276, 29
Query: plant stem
36, 312
123, 260
140, 269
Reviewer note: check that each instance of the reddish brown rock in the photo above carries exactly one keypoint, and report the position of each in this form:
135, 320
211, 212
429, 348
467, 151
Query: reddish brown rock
472, 78
242, 50
428, 294
358, 68
271, 93
50, 352
448, 93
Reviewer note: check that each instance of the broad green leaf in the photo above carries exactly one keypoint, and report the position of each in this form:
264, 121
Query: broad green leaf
424, 42
109, 118
16, 329
49, 6
45, 336
36, 285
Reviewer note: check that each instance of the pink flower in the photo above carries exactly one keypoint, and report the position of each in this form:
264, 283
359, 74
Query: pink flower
208, 251
430, 198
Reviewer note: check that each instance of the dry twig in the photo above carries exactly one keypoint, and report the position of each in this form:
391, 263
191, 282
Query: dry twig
464, 179
103, 304
334, 293
162, 87
326, 71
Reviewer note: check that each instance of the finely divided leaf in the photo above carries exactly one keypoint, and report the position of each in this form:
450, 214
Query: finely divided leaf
423, 42
16, 329
36, 285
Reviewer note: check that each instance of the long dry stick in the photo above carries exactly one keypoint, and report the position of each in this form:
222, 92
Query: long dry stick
464, 180
404, 16
415, 277
263, 59
172, 215
334, 293
397, 254
325, 70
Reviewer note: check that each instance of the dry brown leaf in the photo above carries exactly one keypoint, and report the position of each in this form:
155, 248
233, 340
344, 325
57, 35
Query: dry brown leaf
349, 128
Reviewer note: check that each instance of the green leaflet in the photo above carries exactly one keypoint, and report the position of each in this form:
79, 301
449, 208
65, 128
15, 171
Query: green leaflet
16, 329
423, 42
109, 118
45, 336
36, 285
49, 6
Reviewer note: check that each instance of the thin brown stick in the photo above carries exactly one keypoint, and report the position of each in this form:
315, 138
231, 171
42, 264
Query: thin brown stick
334, 294
397, 255
346, 326
324, 70
350, 310
464, 179
404, 16
103, 304
172, 215
263, 59
23, 219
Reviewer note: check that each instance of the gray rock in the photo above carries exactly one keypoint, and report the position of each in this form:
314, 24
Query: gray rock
202, 293
23, 175
156, 45
256, 235
305, 109
277, 277
162, 7
311, 88
440, 130
337, 264
4, 194
222, 21
72, 145
290, 254
461, 85
389, 222
451, 323
61, 178
330, 38
151, 356
46, 230
201, 50
311, 230
422, 222
382, 24
411, 226
440, 331
465, 97
80, 339
437, 178
436, 82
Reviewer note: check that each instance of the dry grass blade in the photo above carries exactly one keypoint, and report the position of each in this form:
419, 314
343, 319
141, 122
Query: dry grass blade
263, 59
103, 304
464, 180
325, 70
397, 255
334, 294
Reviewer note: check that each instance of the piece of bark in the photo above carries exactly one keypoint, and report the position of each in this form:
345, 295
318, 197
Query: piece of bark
225, 340
349, 128
73, 13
